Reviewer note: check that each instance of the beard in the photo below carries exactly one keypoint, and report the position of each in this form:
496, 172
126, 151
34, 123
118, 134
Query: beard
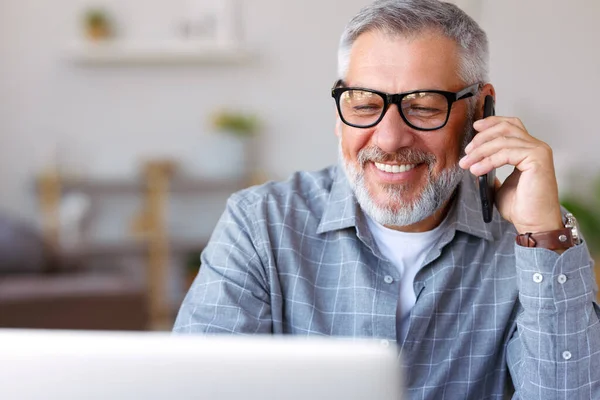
399, 211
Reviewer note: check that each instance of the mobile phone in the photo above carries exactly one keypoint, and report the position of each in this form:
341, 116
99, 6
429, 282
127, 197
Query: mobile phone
487, 182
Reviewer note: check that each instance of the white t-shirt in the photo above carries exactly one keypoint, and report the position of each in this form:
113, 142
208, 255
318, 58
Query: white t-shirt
407, 252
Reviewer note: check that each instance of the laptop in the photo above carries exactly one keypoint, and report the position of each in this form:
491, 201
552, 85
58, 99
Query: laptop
45, 364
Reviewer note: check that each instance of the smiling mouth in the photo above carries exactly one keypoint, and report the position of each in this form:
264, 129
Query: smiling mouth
394, 169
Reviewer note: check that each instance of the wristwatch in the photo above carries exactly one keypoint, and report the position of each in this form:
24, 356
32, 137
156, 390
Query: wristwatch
559, 239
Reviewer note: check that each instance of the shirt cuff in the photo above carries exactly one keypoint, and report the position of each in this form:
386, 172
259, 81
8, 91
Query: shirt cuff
548, 280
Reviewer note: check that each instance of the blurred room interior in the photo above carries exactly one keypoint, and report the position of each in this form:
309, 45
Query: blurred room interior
125, 126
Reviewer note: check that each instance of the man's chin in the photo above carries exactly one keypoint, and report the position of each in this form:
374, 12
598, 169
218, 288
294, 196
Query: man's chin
397, 205
393, 197
402, 203
392, 206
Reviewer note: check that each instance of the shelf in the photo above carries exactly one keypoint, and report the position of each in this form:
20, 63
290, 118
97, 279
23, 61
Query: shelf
24, 287
115, 52
157, 246
130, 247
107, 186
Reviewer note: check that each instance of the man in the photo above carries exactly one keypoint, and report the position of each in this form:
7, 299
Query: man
391, 244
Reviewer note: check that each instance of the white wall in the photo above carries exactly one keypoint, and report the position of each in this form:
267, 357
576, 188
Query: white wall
545, 65
104, 119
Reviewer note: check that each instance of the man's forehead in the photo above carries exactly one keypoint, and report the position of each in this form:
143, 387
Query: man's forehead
398, 63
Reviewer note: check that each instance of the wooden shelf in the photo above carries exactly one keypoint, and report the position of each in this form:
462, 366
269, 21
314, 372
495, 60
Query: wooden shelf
151, 238
132, 248
115, 52
104, 186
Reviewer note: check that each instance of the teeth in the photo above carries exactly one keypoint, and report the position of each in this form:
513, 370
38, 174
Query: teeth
394, 168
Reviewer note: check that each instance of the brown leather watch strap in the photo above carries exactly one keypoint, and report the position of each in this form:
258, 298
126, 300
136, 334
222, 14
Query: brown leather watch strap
560, 239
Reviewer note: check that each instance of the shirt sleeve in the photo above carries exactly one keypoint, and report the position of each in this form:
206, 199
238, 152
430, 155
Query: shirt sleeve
230, 293
555, 351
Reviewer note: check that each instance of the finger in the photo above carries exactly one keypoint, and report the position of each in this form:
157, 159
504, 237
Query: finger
476, 154
488, 122
516, 122
515, 156
502, 129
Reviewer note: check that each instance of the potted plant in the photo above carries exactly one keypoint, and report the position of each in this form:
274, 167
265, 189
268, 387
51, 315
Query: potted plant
97, 24
228, 150
236, 123
192, 268
587, 211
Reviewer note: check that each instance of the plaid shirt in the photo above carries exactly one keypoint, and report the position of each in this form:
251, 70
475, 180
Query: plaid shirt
298, 258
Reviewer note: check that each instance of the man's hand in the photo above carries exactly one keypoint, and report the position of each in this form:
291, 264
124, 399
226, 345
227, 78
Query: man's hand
529, 196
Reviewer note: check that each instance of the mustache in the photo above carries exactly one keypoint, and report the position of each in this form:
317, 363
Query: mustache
403, 156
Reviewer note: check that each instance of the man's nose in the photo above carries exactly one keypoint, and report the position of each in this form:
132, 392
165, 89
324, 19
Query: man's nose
392, 133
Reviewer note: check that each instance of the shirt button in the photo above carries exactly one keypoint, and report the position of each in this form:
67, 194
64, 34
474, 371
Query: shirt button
566, 355
562, 278
385, 343
537, 277
388, 279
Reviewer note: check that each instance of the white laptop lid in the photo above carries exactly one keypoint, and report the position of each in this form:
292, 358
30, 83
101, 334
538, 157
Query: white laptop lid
38, 364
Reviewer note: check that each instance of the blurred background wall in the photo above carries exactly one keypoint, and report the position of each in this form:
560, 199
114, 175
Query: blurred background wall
104, 119
101, 122
545, 65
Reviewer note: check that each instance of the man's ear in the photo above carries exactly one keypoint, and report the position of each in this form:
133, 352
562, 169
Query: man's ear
338, 127
487, 89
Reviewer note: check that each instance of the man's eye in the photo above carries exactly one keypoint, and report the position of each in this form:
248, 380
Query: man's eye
423, 111
367, 108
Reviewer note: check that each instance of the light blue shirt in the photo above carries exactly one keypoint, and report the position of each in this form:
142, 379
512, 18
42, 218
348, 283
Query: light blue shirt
298, 258
406, 251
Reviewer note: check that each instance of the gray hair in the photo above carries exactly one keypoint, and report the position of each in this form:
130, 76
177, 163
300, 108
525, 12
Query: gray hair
411, 17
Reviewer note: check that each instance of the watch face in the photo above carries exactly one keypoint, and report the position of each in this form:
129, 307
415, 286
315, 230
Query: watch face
575, 234
571, 222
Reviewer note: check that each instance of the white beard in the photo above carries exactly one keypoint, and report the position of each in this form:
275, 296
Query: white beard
398, 211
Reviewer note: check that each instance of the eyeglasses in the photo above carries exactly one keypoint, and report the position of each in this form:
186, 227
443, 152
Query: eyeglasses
424, 110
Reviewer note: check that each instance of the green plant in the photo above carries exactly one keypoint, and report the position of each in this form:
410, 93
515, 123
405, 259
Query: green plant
95, 18
237, 123
192, 261
587, 212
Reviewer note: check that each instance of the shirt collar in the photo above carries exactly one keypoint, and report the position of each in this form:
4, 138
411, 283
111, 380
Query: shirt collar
342, 210
466, 212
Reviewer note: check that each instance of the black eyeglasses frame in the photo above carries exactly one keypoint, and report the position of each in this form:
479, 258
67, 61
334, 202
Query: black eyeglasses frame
389, 99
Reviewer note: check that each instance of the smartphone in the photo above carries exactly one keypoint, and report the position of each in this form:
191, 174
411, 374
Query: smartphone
487, 182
